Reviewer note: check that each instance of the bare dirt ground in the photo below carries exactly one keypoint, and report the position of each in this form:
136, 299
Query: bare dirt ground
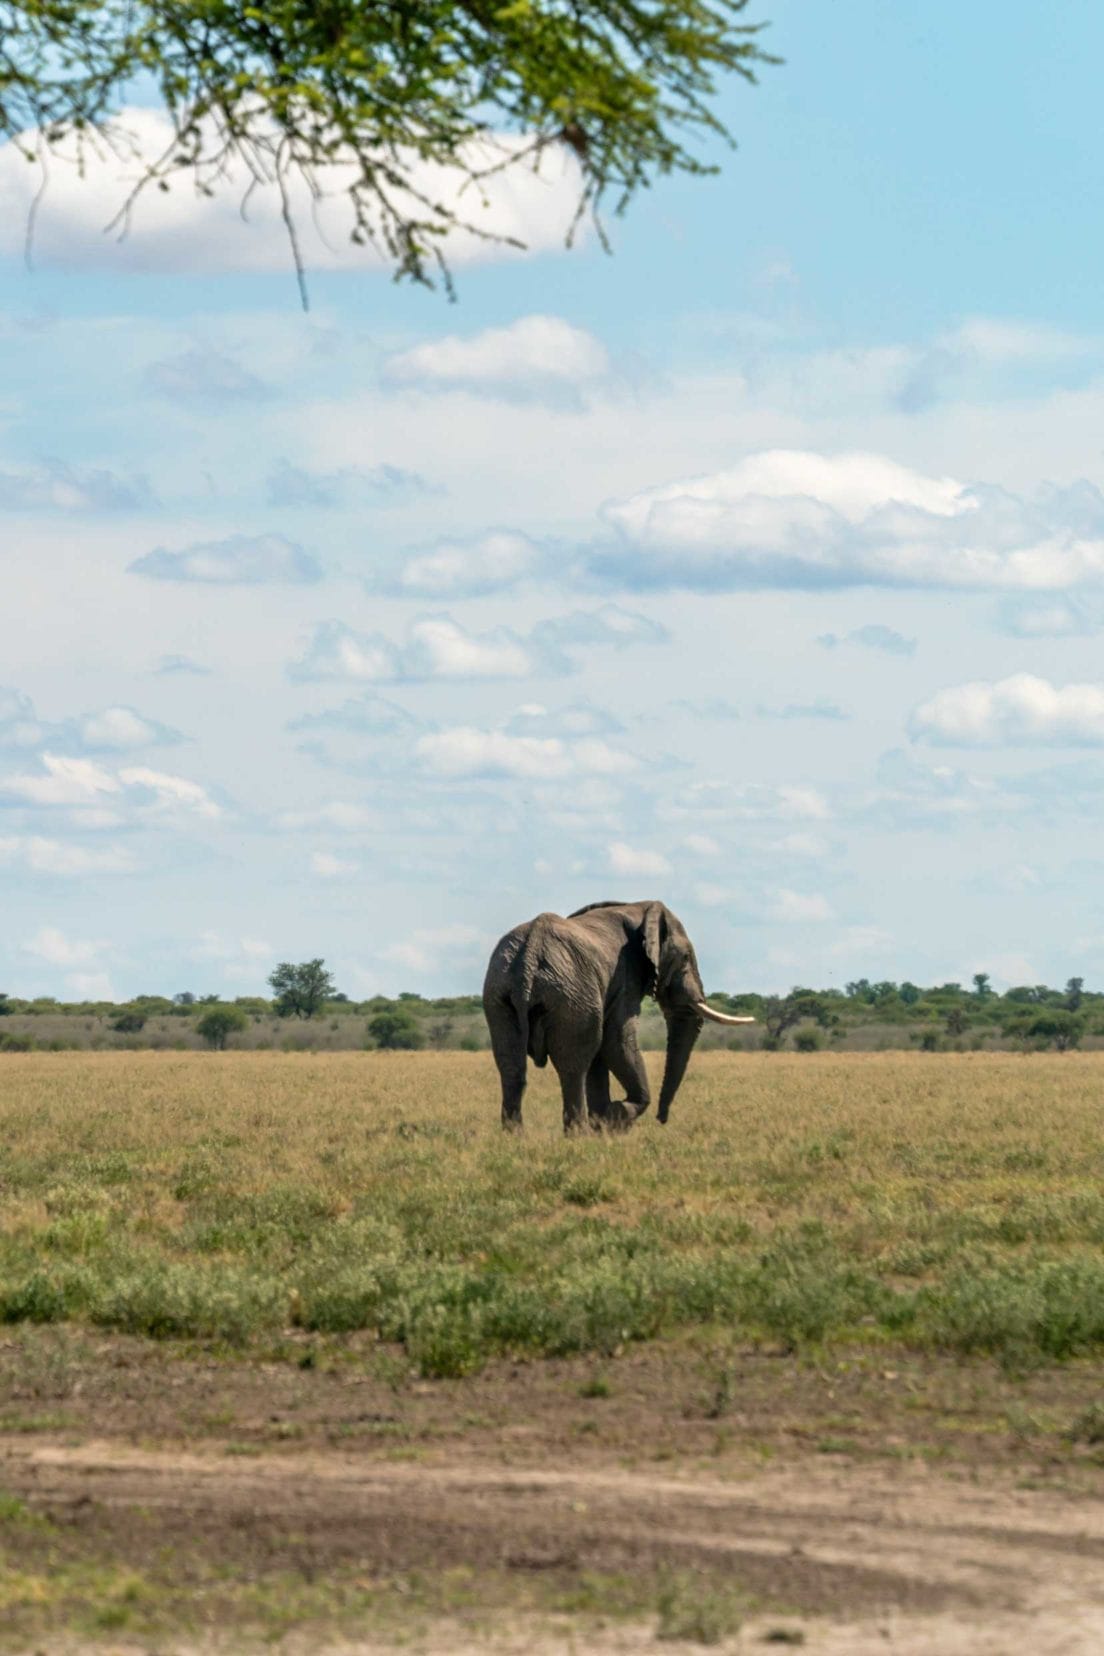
869, 1558
852, 1507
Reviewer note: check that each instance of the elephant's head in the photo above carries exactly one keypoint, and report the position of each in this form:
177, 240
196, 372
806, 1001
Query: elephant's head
677, 986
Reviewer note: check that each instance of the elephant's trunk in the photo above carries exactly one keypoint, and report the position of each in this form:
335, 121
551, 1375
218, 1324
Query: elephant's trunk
711, 1012
683, 1029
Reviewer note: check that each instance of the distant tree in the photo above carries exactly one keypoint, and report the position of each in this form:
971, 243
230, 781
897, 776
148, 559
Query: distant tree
860, 990
1055, 1027
396, 1030
982, 987
5, 1007
185, 998
780, 1013
301, 991
1075, 993
219, 1022
957, 1021
909, 993
129, 1022
208, 1000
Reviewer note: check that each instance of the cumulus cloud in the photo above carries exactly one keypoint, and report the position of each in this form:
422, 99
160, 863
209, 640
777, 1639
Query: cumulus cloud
1048, 618
871, 637
51, 944
494, 562
56, 487
294, 486
821, 708
793, 519
183, 231
242, 560
329, 867
238, 959
536, 359
113, 729
341, 815
180, 664
49, 856
465, 751
368, 715
88, 787
1018, 711
437, 647
116, 729
206, 377
799, 908
630, 860
608, 625
422, 951
20, 726
580, 718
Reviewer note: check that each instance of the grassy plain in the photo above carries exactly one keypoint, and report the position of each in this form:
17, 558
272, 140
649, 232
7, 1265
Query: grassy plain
841, 1256
944, 1203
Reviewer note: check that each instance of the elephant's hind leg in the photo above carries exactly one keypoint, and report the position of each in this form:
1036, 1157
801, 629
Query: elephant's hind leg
572, 1053
508, 1046
598, 1092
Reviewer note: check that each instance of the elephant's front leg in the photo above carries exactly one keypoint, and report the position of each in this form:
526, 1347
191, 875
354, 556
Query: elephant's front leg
598, 1092
626, 1060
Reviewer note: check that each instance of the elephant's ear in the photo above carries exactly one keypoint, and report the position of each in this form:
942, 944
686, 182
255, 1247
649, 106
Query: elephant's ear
654, 933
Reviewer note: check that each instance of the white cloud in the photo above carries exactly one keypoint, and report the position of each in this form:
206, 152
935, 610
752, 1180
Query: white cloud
52, 945
1048, 618
206, 377
121, 727
465, 751
798, 908
625, 859
713, 802
702, 845
329, 867
536, 359
1021, 710
242, 560
100, 798
169, 792
66, 782
91, 986
873, 636
239, 960
794, 519
182, 231
338, 814
422, 951
467, 569
437, 647
56, 487
49, 856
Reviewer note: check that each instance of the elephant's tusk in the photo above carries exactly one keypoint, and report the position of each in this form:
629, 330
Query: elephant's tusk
719, 1017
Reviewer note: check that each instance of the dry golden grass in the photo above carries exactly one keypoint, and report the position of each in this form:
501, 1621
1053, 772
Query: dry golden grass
946, 1200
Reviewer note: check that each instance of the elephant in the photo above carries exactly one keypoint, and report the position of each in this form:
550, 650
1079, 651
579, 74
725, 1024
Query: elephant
570, 989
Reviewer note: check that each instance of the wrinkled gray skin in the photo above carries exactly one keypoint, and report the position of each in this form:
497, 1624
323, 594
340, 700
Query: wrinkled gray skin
570, 990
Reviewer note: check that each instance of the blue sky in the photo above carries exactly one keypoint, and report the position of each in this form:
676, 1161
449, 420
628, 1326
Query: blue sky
759, 567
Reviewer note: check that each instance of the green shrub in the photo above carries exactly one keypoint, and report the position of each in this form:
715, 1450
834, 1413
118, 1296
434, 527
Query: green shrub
220, 1021
17, 1043
396, 1030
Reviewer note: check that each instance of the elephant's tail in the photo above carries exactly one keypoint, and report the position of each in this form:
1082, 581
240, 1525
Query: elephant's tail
538, 1036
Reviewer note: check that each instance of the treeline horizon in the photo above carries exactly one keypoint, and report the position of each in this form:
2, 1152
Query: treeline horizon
308, 1013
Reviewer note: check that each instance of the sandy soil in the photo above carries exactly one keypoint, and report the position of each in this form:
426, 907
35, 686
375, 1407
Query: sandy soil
869, 1558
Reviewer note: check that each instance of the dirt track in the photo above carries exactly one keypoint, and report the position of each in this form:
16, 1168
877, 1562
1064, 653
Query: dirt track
869, 1559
